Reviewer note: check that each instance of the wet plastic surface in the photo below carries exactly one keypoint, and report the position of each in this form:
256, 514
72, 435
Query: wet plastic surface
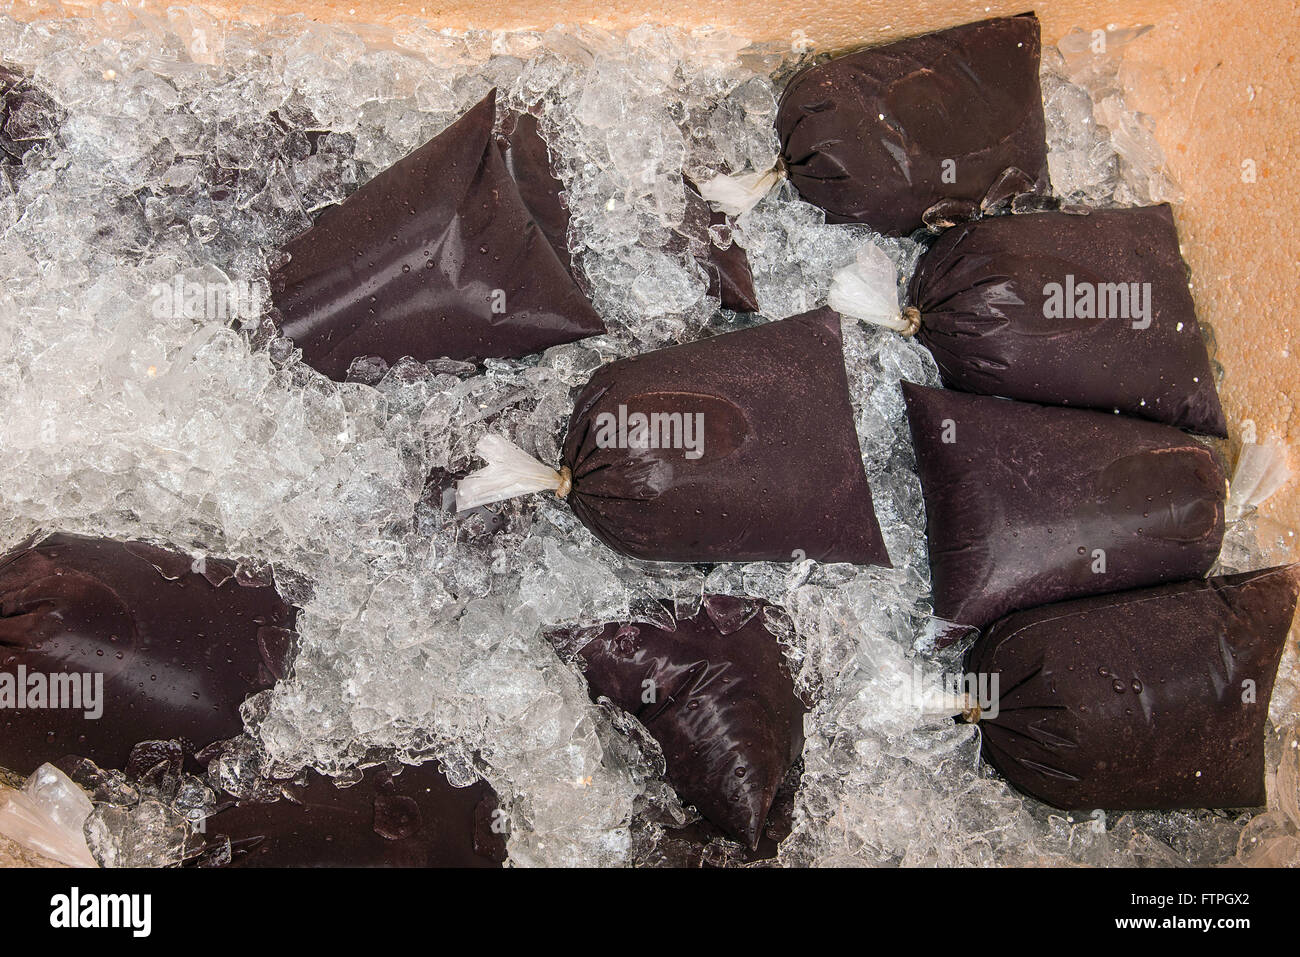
718, 697
179, 651
437, 256
730, 277
528, 160
413, 819
1029, 504
880, 135
780, 471
704, 845
1148, 699
981, 292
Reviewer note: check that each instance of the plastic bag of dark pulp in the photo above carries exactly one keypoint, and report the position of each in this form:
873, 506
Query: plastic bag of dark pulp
1028, 504
730, 279
438, 256
1148, 699
882, 135
178, 650
761, 458
659, 841
527, 158
413, 819
1088, 311
717, 695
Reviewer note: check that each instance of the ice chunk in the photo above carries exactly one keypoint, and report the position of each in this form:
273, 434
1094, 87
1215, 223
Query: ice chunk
46, 817
1100, 152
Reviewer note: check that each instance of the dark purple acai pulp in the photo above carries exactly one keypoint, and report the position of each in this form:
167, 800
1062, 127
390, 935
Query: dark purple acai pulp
180, 646
772, 471
1155, 698
885, 134
716, 694
437, 256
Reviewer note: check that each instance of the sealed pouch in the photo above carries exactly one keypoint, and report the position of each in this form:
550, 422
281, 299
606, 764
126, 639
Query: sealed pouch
1028, 504
104, 644
664, 843
437, 256
528, 161
1088, 310
731, 280
717, 695
925, 130
740, 447
413, 819
1154, 698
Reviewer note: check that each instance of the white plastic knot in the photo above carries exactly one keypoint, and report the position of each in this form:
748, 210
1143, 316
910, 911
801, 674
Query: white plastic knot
1261, 470
738, 193
509, 473
867, 290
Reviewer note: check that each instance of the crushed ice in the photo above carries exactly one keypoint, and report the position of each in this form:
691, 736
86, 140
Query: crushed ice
191, 148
